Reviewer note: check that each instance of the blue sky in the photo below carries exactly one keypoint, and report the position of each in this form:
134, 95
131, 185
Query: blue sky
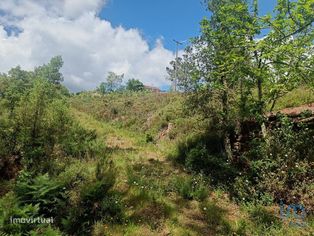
167, 19
96, 37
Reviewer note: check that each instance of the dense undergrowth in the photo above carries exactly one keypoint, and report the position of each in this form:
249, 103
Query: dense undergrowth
139, 164
148, 112
278, 168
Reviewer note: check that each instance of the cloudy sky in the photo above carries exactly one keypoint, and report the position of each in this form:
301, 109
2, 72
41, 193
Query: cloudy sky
97, 36
33, 31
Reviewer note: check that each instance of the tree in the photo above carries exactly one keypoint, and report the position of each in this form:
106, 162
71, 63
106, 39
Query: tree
134, 85
218, 59
282, 58
51, 71
229, 63
102, 88
183, 69
113, 83
17, 83
231, 57
35, 118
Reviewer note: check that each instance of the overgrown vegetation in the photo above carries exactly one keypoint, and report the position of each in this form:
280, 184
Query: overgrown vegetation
207, 160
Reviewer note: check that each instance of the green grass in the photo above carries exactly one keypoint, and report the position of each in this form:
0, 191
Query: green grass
297, 97
160, 197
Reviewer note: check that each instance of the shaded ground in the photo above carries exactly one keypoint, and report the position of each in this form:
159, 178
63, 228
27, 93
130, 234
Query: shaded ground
153, 208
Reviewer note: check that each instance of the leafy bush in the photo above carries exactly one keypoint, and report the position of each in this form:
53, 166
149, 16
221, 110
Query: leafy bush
37, 127
45, 231
78, 142
96, 202
261, 217
149, 138
281, 167
192, 187
204, 153
43, 191
10, 207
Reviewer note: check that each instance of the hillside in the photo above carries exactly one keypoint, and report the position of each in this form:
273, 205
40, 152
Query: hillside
149, 113
142, 163
162, 197
95, 142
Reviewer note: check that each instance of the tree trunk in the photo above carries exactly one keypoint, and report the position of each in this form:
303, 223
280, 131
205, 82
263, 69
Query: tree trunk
225, 119
227, 145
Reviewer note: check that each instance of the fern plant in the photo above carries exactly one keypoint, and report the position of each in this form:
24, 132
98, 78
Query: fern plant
42, 191
10, 209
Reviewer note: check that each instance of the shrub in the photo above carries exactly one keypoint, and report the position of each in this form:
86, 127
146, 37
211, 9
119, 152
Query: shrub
43, 191
204, 153
262, 217
97, 202
192, 187
79, 142
10, 207
39, 127
45, 231
149, 138
280, 167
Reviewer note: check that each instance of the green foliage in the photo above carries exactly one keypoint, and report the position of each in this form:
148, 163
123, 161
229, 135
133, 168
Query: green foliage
134, 85
215, 217
38, 134
80, 143
113, 83
96, 202
297, 97
102, 88
36, 125
195, 187
42, 191
10, 208
226, 75
262, 217
226, 60
149, 138
74, 174
142, 111
204, 153
280, 167
148, 179
45, 231
51, 71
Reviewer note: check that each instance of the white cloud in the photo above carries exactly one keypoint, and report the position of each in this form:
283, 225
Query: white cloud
90, 46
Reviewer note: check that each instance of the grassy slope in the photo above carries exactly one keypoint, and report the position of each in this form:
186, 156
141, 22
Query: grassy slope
145, 174
295, 98
149, 113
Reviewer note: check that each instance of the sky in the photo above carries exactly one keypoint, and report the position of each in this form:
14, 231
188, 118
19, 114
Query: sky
133, 37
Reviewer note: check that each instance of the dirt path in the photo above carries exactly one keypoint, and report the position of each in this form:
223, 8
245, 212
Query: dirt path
150, 169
